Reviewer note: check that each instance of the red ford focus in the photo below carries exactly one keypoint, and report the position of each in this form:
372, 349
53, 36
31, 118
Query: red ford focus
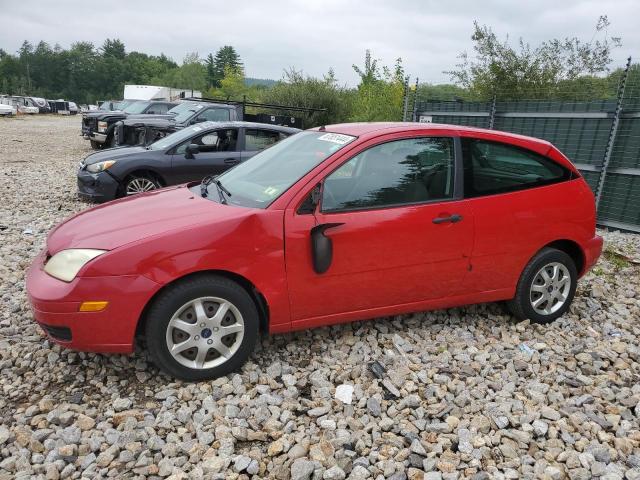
330, 225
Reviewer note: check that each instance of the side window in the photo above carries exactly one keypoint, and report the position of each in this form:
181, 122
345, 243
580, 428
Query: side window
158, 109
256, 140
213, 115
213, 141
393, 173
491, 167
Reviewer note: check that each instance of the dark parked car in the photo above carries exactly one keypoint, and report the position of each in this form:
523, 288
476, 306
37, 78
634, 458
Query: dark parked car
98, 127
141, 130
194, 152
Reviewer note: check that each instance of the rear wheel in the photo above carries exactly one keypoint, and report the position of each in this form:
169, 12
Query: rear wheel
139, 183
95, 145
546, 287
202, 328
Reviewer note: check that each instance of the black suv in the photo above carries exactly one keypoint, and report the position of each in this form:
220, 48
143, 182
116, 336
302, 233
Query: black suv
144, 130
98, 127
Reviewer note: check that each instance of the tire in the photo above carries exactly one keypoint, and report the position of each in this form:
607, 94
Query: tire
175, 309
95, 145
550, 280
138, 183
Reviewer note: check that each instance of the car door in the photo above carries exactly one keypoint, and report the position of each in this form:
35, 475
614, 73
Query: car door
257, 139
516, 205
217, 152
400, 232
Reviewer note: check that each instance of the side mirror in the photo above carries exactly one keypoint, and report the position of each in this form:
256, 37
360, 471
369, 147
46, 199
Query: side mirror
322, 247
191, 150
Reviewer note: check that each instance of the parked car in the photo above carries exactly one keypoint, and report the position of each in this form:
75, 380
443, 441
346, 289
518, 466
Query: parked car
22, 105
7, 110
188, 155
98, 127
335, 224
73, 108
140, 130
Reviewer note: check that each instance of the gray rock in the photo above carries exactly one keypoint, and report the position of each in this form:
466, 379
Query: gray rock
302, 469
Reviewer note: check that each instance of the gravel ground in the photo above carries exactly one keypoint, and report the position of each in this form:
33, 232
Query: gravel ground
463, 393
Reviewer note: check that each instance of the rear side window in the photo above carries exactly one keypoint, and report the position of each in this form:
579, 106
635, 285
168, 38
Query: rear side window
492, 167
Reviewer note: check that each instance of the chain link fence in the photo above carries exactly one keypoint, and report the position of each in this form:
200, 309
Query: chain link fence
596, 124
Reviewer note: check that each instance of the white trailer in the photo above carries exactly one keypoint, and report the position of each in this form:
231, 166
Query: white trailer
151, 92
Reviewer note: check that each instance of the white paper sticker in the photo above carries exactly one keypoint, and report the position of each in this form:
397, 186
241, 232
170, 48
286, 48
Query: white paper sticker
196, 129
338, 138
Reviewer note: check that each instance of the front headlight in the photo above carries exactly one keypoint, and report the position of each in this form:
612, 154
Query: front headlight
102, 127
66, 264
100, 166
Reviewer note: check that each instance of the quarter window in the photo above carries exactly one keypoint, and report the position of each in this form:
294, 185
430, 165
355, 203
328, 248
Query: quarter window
491, 168
256, 140
394, 173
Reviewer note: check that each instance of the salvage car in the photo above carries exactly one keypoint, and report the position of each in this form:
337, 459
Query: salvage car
98, 127
144, 130
7, 110
335, 224
190, 154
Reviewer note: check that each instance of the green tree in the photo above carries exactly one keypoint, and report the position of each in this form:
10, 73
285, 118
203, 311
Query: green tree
113, 48
226, 58
380, 92
531, 72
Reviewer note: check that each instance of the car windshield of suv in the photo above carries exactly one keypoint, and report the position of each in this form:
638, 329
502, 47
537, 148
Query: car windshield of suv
135, 107
259, 181
185, 111
179, 136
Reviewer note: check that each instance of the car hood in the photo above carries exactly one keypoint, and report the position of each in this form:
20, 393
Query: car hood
102, 115
159, 121
114, 224
114, 154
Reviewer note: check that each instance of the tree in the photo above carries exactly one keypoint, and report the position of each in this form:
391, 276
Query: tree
226, 58
527, 72
380, 92
113, 48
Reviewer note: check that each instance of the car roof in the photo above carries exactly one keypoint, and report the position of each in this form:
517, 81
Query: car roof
240, 124
379, 128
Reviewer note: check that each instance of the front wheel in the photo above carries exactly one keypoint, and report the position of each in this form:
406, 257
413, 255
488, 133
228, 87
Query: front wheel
139, 184
546, 287
202, 328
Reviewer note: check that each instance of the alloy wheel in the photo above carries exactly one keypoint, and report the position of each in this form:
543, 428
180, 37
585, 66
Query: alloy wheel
550, 288
140, 185
205, 332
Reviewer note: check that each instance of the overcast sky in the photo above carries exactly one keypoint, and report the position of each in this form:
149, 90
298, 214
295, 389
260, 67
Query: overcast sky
314, 35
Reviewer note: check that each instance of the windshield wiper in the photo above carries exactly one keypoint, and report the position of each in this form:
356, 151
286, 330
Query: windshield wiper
222, 191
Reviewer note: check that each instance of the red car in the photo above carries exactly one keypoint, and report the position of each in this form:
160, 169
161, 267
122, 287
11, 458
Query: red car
339, 223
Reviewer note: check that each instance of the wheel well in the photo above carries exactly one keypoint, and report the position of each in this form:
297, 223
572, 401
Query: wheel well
572, 249
254, 293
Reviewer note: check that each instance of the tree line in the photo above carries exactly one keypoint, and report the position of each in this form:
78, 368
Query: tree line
565, 68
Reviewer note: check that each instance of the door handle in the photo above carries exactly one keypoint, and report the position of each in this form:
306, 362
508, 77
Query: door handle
455, 218
231, 161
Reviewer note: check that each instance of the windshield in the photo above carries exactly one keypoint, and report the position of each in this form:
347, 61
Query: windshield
263, 178
185, 111
135, 107
176, 137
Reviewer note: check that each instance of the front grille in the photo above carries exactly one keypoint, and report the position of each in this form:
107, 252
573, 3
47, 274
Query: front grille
59, 333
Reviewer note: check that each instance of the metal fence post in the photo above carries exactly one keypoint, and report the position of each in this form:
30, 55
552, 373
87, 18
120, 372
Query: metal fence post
405, 105
492, 113
612, 134
415, 102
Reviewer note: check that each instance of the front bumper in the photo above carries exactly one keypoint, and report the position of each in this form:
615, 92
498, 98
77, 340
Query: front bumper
97, 187
592, 251
55, 307
97, 137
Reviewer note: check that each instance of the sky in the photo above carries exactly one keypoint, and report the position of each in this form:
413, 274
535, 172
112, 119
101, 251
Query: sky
316, 35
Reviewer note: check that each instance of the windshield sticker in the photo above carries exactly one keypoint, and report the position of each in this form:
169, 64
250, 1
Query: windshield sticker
199, 107
270, 191
196, 129
336, 138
